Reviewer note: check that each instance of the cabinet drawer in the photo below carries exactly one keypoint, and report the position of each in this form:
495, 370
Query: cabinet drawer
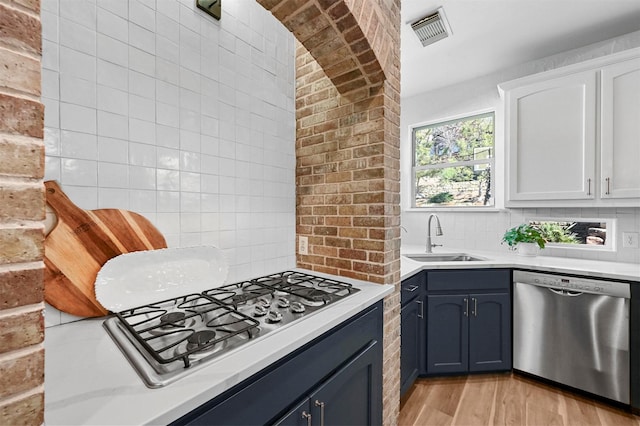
411, 287
469, 280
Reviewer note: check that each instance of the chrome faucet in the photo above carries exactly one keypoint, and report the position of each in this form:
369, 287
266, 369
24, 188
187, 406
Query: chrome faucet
438, 232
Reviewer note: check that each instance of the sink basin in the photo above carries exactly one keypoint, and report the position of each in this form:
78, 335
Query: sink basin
444, 257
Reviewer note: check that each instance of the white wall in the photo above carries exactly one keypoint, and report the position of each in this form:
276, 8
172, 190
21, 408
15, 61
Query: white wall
484, 230
155, 107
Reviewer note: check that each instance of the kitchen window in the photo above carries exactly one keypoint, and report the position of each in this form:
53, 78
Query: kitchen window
452, 162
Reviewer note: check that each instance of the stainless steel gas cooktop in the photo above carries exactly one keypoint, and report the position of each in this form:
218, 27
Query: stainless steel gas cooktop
167, 340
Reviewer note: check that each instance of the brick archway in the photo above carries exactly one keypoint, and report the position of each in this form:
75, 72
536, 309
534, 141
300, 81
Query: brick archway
347, 149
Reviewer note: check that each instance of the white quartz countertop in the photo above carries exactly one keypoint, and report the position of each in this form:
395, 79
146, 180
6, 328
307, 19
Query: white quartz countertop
88, 381
588, 268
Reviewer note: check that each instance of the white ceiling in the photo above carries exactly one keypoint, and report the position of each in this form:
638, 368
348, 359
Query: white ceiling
490, 35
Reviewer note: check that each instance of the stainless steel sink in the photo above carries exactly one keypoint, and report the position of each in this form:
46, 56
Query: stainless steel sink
444, 257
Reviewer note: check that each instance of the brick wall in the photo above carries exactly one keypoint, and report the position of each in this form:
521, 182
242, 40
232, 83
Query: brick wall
21, 215
347, 149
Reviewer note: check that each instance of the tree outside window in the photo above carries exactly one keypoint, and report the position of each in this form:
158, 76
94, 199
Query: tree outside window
452, 163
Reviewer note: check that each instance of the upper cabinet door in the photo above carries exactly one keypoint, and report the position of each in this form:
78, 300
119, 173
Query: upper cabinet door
551, 139
620, 127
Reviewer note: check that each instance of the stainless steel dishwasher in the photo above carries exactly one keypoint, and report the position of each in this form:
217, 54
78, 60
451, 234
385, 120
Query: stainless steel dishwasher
573, 331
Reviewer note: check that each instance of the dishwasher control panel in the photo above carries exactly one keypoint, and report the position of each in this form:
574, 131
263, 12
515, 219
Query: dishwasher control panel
575, 284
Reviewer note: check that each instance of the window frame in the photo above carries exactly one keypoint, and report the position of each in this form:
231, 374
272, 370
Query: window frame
469, 163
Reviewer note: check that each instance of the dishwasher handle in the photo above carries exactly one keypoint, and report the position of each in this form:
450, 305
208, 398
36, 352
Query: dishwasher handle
565, 293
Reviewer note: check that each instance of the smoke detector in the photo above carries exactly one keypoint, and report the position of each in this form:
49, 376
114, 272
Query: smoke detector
432, 27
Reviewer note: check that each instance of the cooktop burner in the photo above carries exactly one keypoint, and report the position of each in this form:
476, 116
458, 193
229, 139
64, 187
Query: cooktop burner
168, 339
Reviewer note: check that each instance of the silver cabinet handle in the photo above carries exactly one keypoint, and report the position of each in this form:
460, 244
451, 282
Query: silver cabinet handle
321, 405
411, 288
307, 416
608, 186
466, 307
475, 306
589, 186
421, 314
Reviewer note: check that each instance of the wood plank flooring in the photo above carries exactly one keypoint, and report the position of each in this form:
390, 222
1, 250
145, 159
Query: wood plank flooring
504, 399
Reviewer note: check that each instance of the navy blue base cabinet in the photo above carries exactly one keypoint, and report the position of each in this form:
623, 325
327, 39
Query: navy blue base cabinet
468, 321
412, 330
335, 379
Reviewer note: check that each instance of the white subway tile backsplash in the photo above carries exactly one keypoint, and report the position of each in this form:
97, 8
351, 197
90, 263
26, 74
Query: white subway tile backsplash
77, 63
142, 15
142, 131
168, 180
112, 75
78, 145
190, 120
142, 177
117, 7
143, 202
142, 85
189, 141
113, 125
142, 108
142, 61
113, 198
112, 25
189, 182
167, 49
167, 136
79, 172
146, 101
190, 202
142, 38
77, 37
112, 100
168, 158
52, 168
189, 161
167, 71
77, 118
80, 12
113, 150
112, 50
142, 154
168, 201
52, 116
167, 115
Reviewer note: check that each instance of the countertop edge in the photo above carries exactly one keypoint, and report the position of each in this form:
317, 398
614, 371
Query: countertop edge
582, 267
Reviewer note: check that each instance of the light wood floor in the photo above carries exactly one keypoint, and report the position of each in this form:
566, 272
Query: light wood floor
503, 399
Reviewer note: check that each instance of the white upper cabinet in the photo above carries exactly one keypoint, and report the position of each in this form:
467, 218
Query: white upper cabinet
572, 135
620, 130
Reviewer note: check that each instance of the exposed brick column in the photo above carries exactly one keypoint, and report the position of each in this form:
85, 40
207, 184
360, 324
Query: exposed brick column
347, 149
21, 215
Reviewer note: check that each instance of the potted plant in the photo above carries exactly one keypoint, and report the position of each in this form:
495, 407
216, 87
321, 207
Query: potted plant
526, 239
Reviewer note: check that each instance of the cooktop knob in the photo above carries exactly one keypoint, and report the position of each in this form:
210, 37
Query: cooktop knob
297, 307
274, 316
283, 303
259, 311
264, 302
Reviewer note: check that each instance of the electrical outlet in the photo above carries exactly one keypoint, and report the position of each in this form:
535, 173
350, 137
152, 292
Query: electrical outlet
630, 240
303, 245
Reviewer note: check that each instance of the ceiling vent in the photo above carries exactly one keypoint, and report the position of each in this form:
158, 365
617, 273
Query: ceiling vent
432, 27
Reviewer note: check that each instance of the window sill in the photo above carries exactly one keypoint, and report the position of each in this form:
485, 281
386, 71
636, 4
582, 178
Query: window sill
455, 209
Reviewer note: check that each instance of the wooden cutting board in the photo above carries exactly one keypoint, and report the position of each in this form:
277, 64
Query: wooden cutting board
80, 243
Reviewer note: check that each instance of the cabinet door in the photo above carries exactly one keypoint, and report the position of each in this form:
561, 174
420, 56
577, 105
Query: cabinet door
447, 334
550, 140
412, 341
353, 395
620, 126
490, 332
